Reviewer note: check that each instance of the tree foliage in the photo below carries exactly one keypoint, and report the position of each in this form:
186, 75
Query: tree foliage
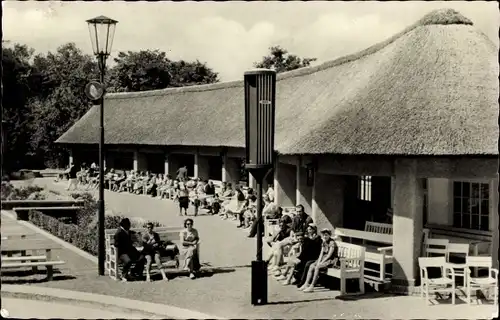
280, 60
151, 70
43, 94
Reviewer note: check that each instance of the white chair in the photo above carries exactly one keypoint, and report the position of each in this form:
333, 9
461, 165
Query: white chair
490, 281
436, 247
455, 249
445, 283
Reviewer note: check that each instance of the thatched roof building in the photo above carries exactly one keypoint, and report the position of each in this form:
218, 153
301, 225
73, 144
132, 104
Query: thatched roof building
430, 90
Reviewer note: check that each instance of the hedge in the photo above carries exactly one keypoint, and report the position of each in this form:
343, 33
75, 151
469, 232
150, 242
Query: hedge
85, 238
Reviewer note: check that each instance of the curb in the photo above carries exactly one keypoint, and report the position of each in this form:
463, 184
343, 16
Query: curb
104, 300
61, 242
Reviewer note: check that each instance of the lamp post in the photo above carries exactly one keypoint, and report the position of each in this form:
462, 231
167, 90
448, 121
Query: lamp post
260, 92
102, 31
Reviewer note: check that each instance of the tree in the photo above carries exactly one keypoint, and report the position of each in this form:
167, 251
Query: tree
61, 100
18, 82
280, 60
151, 69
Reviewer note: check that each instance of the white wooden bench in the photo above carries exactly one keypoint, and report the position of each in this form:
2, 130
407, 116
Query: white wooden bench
352, 259
380, 256
378, 227
31, 261
166, 234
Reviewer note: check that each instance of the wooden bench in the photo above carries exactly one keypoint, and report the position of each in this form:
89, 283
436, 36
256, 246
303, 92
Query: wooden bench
27, 263
380, 256
10, 247
63, 212
166, 234
352, 258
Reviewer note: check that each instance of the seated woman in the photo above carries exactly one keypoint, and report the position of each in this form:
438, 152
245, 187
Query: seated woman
311, 249
124, 185
190, 240
250, 214
152, 250
235, 205
327, 258
151, 186
118, 179
108, 178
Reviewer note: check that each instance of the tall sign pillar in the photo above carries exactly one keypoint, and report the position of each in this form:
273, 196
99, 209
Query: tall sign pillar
260, 92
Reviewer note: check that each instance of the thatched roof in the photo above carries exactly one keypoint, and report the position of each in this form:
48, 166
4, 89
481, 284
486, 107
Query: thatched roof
430, 90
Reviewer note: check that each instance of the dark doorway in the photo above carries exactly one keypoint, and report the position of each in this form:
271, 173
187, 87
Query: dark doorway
366, 199
87, 156
155, 162
122, 160
215, 168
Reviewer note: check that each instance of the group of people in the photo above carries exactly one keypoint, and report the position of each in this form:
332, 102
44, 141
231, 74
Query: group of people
308, 252
136, 252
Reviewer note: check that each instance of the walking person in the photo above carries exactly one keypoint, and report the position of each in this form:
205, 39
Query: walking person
190, 241
73, 170
182, 174
183, 198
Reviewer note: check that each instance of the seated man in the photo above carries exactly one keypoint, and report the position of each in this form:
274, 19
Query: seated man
300, 223
275, 257
126, 252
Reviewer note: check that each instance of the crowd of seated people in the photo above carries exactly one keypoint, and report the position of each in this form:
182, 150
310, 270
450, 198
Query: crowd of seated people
298, 254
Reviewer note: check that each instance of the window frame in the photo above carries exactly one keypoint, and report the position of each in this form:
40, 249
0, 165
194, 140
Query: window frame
452, 212
365, 184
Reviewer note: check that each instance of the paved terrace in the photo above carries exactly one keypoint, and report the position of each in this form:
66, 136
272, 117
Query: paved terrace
225, 289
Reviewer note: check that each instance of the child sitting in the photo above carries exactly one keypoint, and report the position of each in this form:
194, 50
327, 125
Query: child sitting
293, 259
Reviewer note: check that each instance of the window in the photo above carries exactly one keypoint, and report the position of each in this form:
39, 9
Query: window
365, 188
471, 205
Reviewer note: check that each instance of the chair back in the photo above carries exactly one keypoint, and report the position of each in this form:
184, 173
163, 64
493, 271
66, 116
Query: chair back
431, 262
479, 262
461, 249
436, 247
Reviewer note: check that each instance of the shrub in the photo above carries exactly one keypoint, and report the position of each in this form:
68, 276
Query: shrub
84, 237
9, 192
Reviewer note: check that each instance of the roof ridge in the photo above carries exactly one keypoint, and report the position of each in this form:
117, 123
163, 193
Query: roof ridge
436, 17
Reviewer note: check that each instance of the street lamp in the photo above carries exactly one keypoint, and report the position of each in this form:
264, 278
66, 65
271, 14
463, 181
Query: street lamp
102, 32
260, 92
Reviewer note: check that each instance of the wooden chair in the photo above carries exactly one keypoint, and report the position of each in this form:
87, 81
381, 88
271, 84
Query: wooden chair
444, 283
490, 281
436, 247
455, 249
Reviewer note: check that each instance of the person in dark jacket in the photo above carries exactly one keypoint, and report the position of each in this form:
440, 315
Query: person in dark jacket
126, 252
311, 249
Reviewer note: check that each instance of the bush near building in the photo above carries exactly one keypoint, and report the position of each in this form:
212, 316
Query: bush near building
84, 234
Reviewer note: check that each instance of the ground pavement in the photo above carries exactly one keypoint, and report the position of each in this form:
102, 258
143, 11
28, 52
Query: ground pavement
224, 290
28, 308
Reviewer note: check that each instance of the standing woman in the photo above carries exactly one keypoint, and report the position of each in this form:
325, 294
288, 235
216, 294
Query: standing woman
183, 197
190, 241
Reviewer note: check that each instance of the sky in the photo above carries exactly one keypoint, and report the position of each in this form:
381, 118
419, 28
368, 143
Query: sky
230, 36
